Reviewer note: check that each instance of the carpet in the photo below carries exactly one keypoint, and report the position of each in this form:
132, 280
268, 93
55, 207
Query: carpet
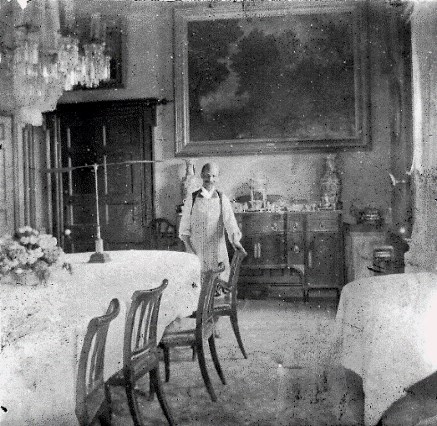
292, 376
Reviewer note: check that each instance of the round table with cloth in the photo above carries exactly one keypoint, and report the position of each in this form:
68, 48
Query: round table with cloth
386, 333
42, 327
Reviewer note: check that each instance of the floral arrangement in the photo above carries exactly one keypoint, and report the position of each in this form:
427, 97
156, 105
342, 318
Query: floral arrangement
29, 250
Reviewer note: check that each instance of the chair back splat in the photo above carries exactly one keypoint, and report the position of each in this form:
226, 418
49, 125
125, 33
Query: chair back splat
227, 305
91, 394
139, 347
234, 274
140, 352
205, 308
195, 332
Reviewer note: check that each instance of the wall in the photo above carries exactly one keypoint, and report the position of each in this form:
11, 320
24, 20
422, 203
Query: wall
148, 73
423, 247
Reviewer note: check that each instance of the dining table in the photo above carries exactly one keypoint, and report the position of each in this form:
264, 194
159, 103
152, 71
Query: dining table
42, 327
386, 333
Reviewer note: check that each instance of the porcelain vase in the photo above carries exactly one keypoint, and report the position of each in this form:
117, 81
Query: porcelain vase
188, 184
330, 185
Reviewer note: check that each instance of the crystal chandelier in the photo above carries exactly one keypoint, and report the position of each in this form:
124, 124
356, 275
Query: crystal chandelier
42, 62
71, 63
94, 65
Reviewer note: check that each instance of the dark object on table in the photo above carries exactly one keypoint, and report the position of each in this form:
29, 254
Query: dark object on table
383, 257
93, 400
193, 333
226, 305
389, 259
140, 353
99, 257
400, 247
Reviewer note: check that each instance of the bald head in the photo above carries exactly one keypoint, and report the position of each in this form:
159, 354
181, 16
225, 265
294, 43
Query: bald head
210, 167
209, 175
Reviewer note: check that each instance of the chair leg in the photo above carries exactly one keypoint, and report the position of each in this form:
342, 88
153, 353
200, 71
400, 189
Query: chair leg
166, 352
204, 371
151, 388
106, 418
215, 358
234, 322
157, 384
133, 404
194, 353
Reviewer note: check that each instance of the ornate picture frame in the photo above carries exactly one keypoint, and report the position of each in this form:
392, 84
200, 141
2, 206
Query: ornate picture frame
271, 78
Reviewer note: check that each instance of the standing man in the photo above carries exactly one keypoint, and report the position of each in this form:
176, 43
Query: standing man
206, 214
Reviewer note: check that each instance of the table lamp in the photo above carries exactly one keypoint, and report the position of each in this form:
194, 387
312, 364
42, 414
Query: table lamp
99, 256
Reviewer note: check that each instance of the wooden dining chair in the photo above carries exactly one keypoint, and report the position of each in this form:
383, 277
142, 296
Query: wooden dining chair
226, 304
93, 400
163, 235
140, 353
194, 332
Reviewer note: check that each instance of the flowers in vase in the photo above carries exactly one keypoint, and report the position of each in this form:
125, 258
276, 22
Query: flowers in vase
29, 250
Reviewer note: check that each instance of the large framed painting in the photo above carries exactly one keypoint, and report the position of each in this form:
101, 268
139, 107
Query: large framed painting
271, 78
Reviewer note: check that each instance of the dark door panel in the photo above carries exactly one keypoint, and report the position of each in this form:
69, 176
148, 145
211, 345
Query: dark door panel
265, 250
295, 248
324, 260
105, 133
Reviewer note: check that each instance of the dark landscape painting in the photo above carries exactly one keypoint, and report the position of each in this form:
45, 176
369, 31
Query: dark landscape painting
279, 77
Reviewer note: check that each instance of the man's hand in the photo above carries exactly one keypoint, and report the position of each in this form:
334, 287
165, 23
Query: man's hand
237, 245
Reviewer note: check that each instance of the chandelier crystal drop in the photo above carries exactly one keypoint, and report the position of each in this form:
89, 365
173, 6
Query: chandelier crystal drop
48, 48
71, 65
41, 60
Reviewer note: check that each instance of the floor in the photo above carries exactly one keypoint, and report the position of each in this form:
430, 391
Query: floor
291, 377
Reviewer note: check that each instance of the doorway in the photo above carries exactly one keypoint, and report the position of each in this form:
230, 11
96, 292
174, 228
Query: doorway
117, 137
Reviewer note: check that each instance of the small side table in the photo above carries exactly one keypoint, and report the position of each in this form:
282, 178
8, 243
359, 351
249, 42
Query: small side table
360, 241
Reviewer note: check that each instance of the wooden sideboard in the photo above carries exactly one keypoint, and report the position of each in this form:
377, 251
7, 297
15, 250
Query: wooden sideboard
303, 250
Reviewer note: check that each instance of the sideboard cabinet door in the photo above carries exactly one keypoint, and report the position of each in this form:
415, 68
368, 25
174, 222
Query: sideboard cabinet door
265, 250
295, 249
324, 266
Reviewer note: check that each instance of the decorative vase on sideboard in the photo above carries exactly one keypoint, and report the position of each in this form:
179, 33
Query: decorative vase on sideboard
330, 185
188, 183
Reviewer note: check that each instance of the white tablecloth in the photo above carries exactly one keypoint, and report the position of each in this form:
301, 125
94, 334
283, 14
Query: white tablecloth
42, 328
387, 331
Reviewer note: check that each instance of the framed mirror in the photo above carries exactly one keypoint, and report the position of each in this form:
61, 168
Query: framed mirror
271, 78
